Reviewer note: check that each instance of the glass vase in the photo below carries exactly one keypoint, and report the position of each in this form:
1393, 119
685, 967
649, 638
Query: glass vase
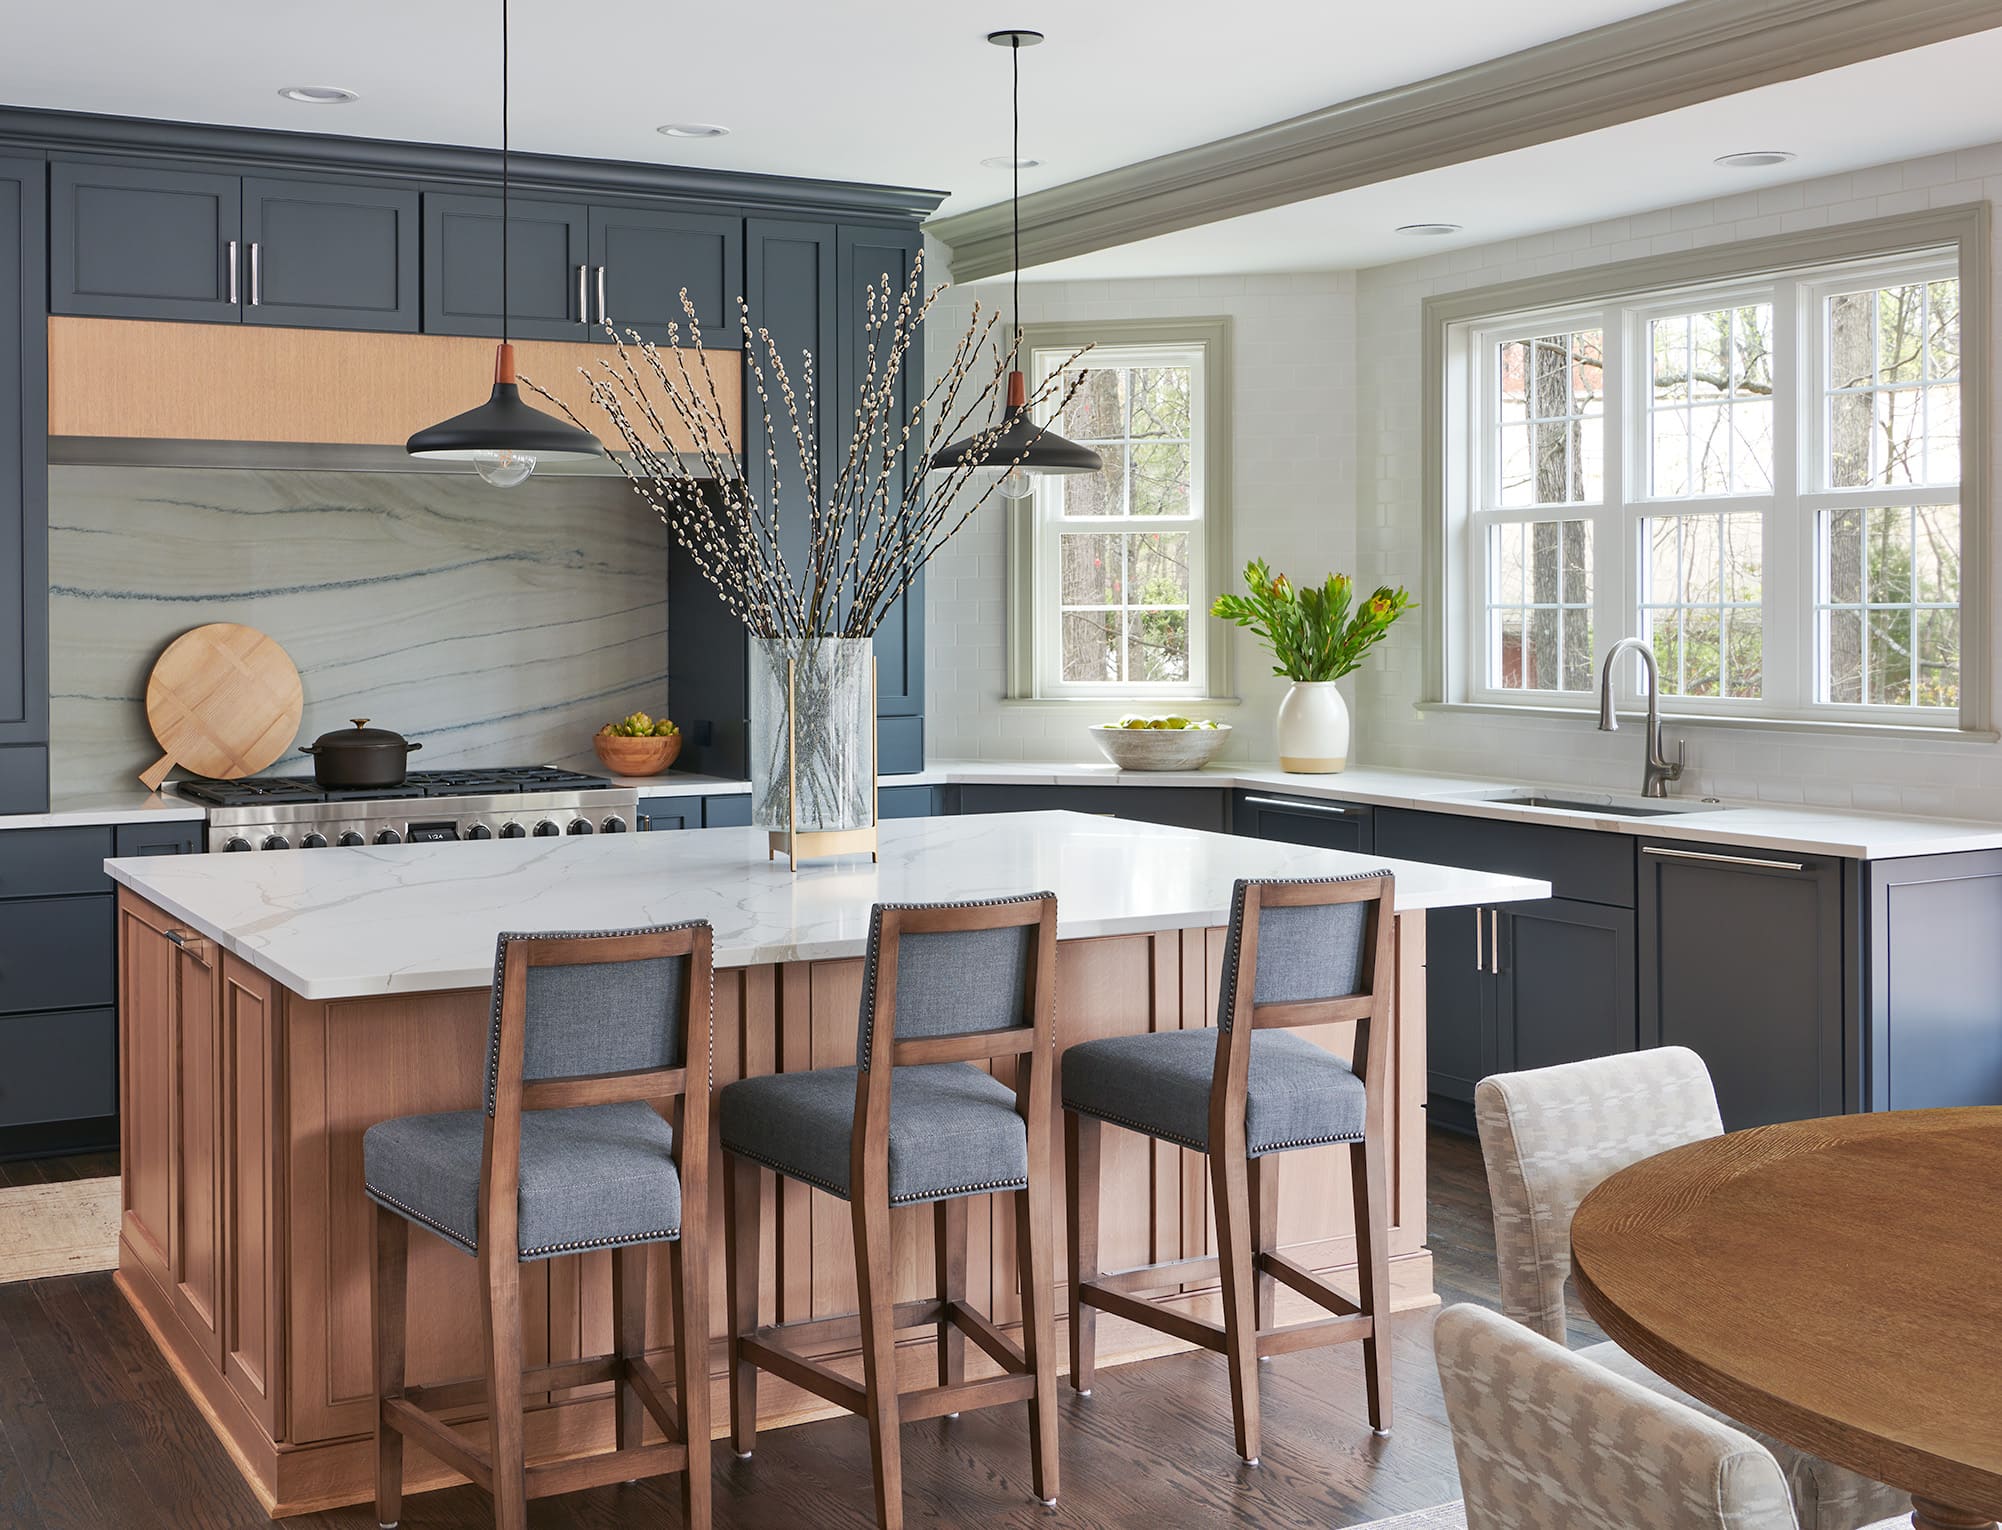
813, 744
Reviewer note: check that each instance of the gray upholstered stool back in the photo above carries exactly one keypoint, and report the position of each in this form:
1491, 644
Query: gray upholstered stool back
1305, 952
586, 1018
950, 982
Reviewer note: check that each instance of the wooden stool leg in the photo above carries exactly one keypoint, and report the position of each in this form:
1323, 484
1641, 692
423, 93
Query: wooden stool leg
391, 1281
949, 1262
1230, 1181
1039, 1324
1081, 1215
1370, 1191
742, 1190
629, 1339
689, 1269
874, 1275
1265, 1233
1927, 1515
501, 1279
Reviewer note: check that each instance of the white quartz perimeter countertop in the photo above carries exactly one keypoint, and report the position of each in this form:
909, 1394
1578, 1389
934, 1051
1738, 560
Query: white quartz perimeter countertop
71, 809
417, 918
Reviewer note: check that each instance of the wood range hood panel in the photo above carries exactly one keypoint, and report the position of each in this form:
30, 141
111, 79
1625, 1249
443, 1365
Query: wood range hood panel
143, 380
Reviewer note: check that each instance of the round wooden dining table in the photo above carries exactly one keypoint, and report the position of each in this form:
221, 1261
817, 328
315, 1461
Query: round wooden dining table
1836, 1283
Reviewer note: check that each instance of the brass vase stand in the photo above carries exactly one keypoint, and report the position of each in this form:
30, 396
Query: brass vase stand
820, 844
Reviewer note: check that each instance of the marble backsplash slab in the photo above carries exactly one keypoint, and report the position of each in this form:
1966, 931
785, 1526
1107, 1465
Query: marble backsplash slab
497, 627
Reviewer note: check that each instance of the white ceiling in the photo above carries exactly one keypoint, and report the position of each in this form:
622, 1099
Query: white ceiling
1901, 106
905, 92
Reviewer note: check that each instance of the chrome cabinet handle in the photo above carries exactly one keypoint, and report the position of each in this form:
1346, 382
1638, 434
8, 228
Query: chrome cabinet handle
256, 274
1495, 941
1334, 809
197, 946
1480, 957
234, 280
583, 295
601, 294
1728, 860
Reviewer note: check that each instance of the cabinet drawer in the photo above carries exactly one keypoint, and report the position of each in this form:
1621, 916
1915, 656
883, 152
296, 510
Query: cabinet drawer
42, 863
1303, 821
58, 1067
906, 802
159, 838
729, 812
56, 953
1587, 864
658, 813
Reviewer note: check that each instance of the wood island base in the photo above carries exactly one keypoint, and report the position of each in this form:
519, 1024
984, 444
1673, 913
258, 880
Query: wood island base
245, 1233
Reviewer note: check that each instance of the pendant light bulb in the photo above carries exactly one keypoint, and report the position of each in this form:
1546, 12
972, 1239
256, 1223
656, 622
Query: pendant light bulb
1016, 484
504, 469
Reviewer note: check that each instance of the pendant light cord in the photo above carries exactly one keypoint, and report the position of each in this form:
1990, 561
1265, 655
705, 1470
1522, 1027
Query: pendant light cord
1015, 156
504, 175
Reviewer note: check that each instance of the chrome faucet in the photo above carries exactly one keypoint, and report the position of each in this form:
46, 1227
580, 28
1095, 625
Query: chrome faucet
1658, 771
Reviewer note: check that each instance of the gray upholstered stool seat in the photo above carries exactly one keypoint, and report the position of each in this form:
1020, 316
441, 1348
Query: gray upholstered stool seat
954, 1130
1159, 1083
592, 1176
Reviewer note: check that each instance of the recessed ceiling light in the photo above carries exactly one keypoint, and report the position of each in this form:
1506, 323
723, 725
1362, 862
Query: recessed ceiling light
320, 95
692, 130
1754, 159
1428, 230
1004, 162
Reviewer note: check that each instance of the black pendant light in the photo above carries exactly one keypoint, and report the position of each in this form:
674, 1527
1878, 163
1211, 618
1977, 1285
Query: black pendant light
504, 438
1024, 448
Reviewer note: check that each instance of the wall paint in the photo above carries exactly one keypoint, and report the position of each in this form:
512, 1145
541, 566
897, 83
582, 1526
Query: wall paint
496, 627
1948, 777
1294, 474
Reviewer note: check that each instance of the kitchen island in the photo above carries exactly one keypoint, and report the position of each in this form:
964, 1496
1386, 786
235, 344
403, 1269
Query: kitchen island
275, 1006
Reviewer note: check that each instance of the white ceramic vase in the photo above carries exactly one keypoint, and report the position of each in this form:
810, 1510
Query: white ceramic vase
1313, 729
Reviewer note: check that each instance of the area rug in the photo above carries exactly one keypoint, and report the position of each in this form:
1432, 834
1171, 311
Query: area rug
63, 1229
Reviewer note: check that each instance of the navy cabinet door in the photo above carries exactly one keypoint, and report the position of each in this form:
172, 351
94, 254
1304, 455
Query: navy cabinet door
1741, 959
329, 255
642, 258
24, 582
1304, 821
1460, 1040
549, 266
1564, 982
663, 813
142, 242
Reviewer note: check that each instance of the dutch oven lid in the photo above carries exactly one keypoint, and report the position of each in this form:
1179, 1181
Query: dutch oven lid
360, 736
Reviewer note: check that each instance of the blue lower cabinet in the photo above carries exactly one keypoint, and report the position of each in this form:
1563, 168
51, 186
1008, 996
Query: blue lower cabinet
1304, 821
658, 813
731, 812
58, 1066
909, 802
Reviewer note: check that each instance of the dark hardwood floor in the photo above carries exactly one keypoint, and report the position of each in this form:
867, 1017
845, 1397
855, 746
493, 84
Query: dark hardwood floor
95, 1433
52, 1171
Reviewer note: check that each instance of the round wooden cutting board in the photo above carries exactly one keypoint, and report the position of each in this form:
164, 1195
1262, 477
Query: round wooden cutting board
224, 701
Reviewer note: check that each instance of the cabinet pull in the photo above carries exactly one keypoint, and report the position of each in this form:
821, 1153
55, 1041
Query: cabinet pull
1480, 956
1495, 941
1728, 860
1334, 808
256, 274
234, 281
197, 946
583, 295
646, 822
601, 294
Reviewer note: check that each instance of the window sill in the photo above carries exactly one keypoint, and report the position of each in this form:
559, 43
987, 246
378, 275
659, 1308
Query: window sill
1123, 703
1700, 720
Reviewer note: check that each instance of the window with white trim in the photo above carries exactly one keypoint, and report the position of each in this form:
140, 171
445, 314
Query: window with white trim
1120, 564
1760, 477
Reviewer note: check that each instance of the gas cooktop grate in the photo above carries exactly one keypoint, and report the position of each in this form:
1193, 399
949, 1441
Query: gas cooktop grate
504, 781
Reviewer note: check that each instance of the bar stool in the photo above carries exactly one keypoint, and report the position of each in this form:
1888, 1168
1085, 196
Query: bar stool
566, 1156
1300, 953
914, 1122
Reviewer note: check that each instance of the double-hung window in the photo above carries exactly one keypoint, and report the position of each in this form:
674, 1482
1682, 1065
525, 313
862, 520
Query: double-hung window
1761, 476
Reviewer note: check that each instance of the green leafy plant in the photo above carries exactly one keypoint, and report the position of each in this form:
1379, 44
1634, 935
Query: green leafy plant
1316, 632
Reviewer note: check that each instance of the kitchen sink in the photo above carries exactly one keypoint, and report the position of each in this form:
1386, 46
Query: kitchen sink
1617, 807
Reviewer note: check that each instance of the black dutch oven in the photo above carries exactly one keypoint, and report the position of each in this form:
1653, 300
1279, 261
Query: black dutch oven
360, 756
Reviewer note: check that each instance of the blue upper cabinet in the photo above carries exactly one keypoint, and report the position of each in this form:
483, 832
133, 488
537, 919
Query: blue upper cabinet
24, 574
643, 258
148, 242
548, 266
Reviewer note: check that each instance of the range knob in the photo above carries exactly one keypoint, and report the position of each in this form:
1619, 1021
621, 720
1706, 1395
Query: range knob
582, 826
546, 830
388, 837
236, 842
613, 825
478, 831
349, 837
314, 841
513, 831
275, 842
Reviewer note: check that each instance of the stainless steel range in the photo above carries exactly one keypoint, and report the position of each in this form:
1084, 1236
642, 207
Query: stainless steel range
432, 806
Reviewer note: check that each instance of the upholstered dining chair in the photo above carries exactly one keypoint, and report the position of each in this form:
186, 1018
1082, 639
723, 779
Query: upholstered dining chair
1547, 1440
568, 1154
914, 1122
1548, 1136
1299, 953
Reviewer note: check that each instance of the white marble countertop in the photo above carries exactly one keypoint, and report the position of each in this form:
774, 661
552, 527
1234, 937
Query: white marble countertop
68, 809
415, 918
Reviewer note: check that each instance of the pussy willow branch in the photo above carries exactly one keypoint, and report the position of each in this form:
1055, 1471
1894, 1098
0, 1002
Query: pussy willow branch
872, 529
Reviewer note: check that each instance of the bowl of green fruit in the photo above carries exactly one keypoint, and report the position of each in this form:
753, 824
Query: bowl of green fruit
638, 745
1161, 743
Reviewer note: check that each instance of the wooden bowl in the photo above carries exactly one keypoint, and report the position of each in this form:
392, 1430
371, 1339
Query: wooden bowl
636, 756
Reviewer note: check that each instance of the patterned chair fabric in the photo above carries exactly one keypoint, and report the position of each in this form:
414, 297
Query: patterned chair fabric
1298, 1094
1549, 1135
1546, 1440
954, 1128
597, 1176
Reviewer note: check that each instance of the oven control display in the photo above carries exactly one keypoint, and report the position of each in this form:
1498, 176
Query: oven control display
432, 833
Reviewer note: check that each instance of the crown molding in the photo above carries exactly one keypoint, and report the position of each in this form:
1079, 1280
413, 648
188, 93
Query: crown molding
1695, 51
